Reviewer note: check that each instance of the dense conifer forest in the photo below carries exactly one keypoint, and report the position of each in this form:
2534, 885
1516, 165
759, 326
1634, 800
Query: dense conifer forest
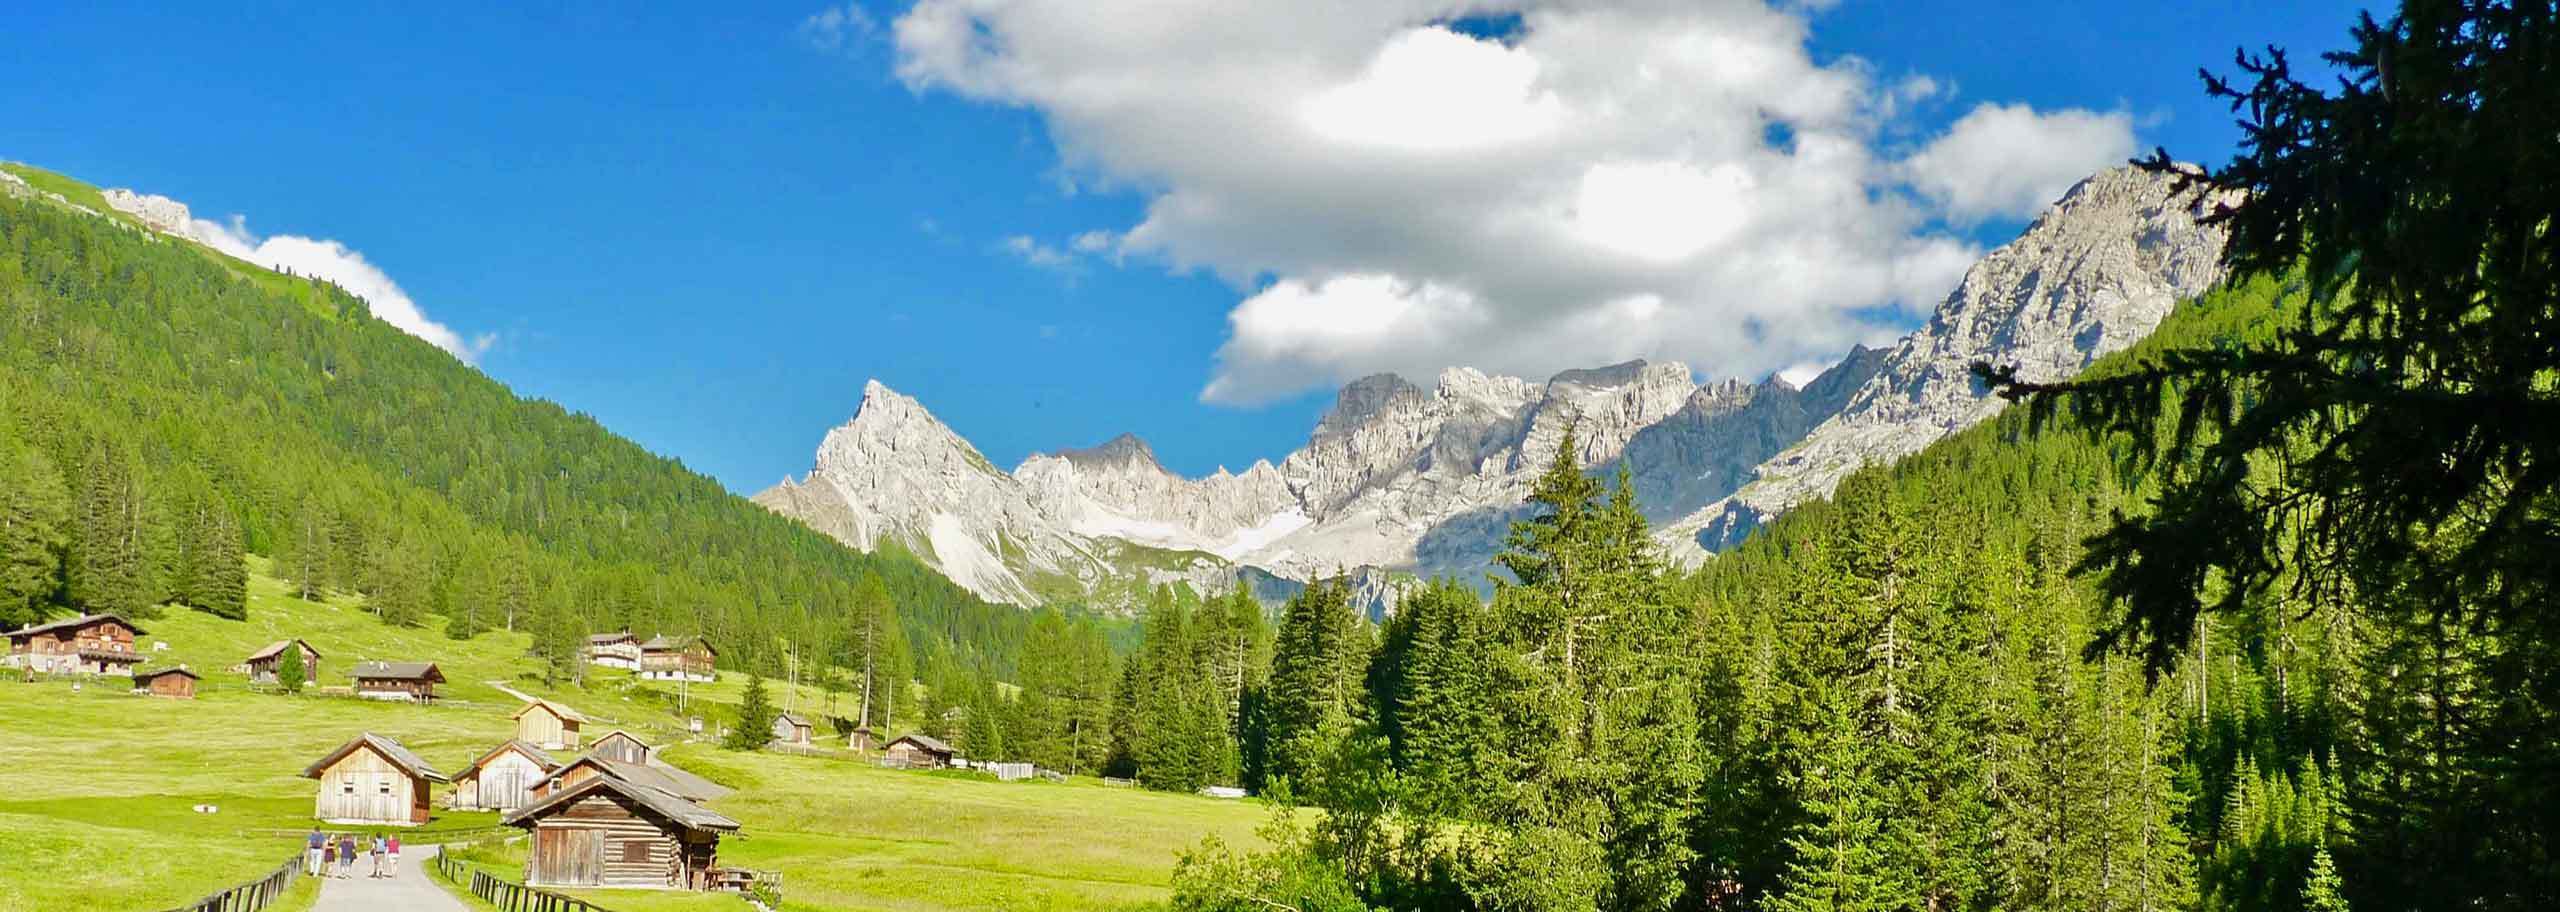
164, 410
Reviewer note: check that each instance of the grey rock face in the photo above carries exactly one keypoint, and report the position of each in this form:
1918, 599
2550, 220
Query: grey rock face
1399, 480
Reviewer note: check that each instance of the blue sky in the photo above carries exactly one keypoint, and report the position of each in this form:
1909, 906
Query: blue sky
709, 228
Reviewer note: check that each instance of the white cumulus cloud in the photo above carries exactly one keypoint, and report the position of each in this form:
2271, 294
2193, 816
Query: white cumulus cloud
1611, 179
344, 266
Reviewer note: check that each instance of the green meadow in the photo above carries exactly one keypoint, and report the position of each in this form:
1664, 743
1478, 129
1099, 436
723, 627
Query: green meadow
99, 788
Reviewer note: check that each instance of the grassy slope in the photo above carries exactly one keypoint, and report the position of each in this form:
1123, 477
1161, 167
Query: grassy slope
97, 787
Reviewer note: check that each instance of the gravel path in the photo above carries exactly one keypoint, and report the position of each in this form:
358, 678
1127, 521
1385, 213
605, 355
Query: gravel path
409, 892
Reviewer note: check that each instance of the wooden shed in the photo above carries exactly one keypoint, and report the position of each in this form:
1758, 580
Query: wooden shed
791, 729
412, 681
502, 779
918, 752
88, 644
614, 650
608, 831
663, 777
261, 665
373, 780
621, 745
549, 725
678, 659
175, 683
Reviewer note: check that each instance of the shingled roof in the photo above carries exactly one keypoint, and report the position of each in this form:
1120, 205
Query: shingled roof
520, 746
555, 708
399, 671
276, 648
389, 749
662, 777
658, 801
74, 624
928, 742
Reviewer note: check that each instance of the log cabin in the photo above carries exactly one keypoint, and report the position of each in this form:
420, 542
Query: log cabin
549, 725
663, 777
502, 779
410, 681
678, 659
621, 745
918, 752
791, 729
91, 644
614, 650
373, 781
608, 831
174, 683
261, 665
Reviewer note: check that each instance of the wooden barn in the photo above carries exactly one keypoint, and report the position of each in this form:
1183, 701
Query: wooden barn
174, 683
549, 725
620, 745
678, 659
861, 739
608, 831
502, 779
791, 729
373, 781
89, 644
918, 752
614, 650
261, 665
411, 681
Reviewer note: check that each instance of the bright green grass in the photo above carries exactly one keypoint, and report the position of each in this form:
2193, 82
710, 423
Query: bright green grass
97, 786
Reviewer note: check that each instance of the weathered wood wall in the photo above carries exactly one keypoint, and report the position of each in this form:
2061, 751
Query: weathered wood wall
503, 784
604, 840
365, 787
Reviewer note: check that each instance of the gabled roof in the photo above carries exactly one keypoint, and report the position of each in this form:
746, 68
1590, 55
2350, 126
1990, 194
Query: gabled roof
520, 746
928, 742
399, 671
161, 672
794, 721
74, 624
276, 648
599, 639
554, 708
664, 643
389, 749
662, 777
664, 804
635, 739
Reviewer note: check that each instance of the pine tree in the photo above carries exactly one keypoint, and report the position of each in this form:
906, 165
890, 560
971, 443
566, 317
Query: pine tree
221, 576
755, 718
290, 671
35, 519
110, 569
1318, 667
2322, 891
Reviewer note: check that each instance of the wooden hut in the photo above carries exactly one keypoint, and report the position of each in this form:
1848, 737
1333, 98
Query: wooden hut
614, 650
549, 725
861, 739
791, 729
609, 831
261, 665
89, 644
502, 779
621, 745
373, 781
174, 683
678, 659
410, 681
666, 778
918, 752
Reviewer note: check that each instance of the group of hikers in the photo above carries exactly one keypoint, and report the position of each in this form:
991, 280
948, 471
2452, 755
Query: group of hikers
323, 852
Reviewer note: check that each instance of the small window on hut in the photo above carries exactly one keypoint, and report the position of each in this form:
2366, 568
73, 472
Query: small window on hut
347, 788
383, 787
635, 852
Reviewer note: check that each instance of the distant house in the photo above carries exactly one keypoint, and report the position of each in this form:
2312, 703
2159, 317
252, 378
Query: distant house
412, 681
614, 650
502, 779
607, 829
92, 644
372, 780
677, 659
175, 683
860, 739
548, 725
918, 752
620, 745
261, 665
791, 729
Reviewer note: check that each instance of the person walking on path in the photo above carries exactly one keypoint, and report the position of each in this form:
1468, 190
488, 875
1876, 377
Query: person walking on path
394, 854
328, 855
376, 851
346, 855
413, 890
311, 853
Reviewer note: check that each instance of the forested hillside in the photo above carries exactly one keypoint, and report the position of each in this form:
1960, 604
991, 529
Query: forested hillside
164, 409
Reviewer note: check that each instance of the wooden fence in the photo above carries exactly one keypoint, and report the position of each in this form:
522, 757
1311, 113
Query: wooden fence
251, 896
507, 896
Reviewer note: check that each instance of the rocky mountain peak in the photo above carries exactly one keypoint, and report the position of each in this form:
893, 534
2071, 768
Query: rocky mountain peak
1365, 398
1124, 452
